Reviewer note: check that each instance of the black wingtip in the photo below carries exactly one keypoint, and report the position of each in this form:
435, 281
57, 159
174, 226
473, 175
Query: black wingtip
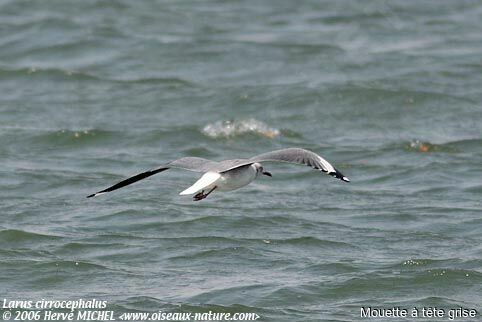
337, 174
128, 181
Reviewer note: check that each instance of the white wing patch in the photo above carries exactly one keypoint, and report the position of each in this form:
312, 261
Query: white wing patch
328, 167
205, 181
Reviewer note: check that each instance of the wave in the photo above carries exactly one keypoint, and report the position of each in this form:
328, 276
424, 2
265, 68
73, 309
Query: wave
69, 264
312, 241
71, 136
424, 146
419, 145
415, 281
232, 128
15, 236
71, 74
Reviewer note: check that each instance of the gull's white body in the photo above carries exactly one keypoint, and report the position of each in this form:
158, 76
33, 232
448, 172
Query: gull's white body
226, 181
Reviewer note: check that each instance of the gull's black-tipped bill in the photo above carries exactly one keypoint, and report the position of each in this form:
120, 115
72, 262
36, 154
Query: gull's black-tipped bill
225, 170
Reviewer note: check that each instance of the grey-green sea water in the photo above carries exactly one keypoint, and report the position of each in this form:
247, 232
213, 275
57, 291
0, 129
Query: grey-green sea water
388, 91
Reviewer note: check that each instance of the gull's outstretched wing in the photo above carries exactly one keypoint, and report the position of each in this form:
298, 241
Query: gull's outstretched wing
128, 181
296, 155
187, 163
194, 164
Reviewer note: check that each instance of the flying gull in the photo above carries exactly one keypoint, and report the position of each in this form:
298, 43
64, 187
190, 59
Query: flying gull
232, 174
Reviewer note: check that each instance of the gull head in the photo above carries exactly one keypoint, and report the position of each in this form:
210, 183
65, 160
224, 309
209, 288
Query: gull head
259, 169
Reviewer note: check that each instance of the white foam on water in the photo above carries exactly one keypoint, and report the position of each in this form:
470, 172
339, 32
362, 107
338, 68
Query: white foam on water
230, 128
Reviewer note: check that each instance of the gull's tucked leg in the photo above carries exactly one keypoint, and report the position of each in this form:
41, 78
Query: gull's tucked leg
207, 194
201, 195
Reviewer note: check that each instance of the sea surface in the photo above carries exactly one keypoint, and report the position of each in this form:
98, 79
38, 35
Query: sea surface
390, 92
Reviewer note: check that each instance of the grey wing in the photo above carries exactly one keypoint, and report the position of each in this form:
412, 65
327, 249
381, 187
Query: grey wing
299, 156
187, 163
194, 164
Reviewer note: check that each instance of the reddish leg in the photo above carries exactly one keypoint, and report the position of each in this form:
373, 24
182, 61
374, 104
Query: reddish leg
200, 195
207, 194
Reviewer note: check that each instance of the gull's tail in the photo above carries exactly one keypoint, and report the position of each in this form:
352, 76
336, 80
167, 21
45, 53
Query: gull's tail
205, 181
